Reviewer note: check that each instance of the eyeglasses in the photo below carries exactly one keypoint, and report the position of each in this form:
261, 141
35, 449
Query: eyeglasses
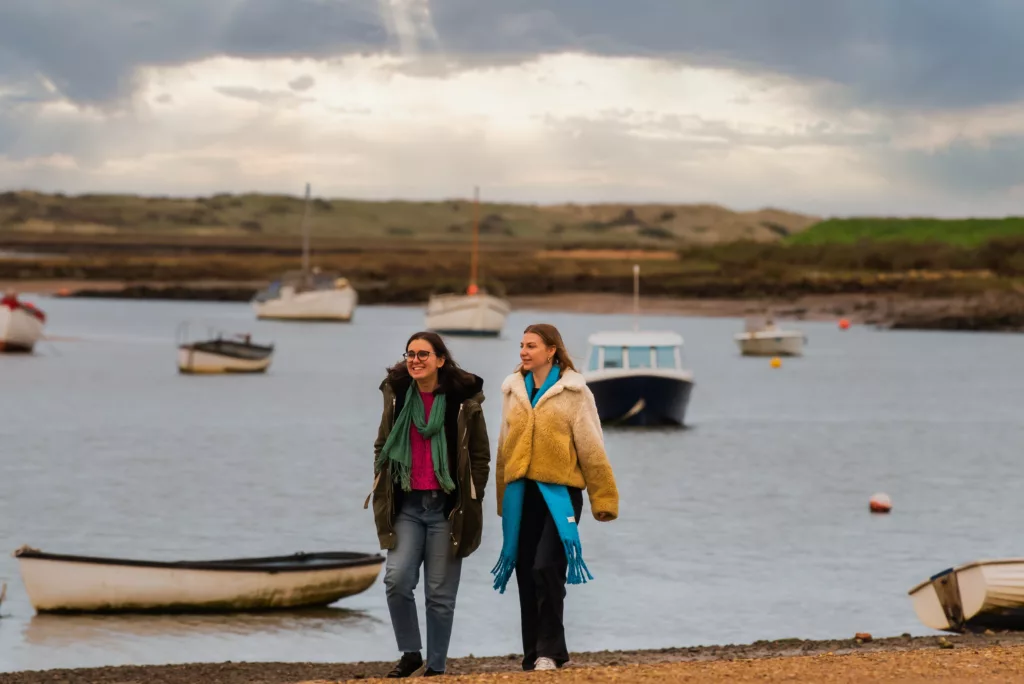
421, 355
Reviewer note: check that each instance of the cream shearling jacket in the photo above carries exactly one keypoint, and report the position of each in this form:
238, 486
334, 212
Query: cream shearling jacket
559, 441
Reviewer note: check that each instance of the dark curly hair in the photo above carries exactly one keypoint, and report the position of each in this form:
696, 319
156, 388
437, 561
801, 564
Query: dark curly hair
450, 376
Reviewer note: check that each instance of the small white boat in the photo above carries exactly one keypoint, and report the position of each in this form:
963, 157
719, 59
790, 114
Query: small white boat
307, 294
637, 377
221, 355
475, 313
767, 339
21, 324
986, 594
58, 583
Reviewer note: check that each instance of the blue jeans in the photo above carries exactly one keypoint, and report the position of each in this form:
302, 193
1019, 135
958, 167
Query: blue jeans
423, 536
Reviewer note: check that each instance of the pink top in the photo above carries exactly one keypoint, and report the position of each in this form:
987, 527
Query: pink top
422, 462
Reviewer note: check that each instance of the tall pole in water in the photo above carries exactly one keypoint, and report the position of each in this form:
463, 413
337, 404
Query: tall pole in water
636, 297
474, 262
305, 235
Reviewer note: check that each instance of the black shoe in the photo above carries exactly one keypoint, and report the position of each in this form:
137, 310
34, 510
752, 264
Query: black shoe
432, 673
409, 663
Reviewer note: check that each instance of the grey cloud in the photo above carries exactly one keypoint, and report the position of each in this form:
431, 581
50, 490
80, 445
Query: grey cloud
922, 53
90, 48
899, 53
268, 97
965, 169
304, 82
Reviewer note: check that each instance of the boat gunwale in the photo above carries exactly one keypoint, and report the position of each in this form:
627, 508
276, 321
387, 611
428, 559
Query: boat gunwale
965, 566
342, 559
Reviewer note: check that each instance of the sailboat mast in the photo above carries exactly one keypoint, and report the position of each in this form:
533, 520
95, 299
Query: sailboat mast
636, 297
305, 234
474, 263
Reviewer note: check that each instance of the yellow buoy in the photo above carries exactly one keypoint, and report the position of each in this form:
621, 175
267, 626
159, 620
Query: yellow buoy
776, 362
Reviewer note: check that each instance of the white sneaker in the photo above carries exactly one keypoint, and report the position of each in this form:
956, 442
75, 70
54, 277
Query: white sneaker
544, 664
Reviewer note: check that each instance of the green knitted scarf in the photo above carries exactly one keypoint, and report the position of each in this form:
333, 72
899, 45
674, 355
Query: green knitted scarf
398, 449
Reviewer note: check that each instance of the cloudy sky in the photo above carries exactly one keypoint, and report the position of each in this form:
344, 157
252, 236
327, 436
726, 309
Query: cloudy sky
825, 106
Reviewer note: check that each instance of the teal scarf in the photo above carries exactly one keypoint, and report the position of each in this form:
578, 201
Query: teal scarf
397, 448
559, 504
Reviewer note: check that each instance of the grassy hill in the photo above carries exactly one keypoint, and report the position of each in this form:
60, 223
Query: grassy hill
250, 218
961, 232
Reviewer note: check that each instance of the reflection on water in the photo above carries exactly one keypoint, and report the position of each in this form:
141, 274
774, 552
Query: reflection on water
102, 631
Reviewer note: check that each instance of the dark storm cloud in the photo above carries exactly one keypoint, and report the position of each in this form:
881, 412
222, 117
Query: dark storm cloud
917, 53
90, 48
924, 53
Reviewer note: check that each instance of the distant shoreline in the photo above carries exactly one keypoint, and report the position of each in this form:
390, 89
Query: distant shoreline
774, 657
988, 313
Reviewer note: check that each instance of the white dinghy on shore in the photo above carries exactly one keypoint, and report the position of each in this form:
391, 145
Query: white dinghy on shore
985, 594
58, 583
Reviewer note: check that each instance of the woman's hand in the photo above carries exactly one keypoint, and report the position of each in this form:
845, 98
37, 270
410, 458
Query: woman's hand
604, 516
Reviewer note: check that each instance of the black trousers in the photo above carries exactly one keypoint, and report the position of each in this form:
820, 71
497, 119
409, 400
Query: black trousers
540, 573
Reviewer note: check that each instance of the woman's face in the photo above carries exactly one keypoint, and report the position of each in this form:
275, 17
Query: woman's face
422, 361
534, 353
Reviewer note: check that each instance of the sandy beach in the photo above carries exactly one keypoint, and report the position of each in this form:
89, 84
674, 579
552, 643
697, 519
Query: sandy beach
954, 658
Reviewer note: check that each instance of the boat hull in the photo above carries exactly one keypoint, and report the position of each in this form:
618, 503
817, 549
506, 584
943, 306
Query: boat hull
198, 361
641, 399
973, 597
479, 315
337, 305
75, 585
19, 330
759, 344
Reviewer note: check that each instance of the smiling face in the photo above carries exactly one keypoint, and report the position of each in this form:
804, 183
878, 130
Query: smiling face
422, 361
534, 353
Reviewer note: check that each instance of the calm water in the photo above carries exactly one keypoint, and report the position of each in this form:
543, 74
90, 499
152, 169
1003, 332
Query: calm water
752, 524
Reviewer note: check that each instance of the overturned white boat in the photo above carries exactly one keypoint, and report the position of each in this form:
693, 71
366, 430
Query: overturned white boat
767, 339
218, 354
21, 324
985, 594
59, 583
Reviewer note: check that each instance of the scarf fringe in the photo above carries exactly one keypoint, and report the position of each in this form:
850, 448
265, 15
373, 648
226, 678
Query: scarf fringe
502, 572
578, 572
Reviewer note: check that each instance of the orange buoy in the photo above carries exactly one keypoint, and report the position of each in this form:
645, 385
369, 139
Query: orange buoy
844, 324
880, 503
63, 292
776, 362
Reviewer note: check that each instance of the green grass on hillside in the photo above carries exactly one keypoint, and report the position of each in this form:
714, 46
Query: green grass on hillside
962, 232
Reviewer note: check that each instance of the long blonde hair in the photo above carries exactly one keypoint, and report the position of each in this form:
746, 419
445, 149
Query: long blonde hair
552, 338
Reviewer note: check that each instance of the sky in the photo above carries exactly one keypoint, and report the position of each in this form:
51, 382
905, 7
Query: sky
830, 107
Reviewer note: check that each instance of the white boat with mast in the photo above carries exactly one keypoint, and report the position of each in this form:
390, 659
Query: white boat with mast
309, 294
637, 376
475, 313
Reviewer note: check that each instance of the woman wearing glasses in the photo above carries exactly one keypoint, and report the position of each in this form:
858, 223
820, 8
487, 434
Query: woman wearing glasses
431, 461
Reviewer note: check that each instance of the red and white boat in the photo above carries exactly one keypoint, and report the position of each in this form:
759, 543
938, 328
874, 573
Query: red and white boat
21, 324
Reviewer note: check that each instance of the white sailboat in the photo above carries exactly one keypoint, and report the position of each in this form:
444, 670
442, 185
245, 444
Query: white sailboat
308, 294
475, 313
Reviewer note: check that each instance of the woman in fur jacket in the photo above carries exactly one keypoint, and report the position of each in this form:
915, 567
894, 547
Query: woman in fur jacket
550, 449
